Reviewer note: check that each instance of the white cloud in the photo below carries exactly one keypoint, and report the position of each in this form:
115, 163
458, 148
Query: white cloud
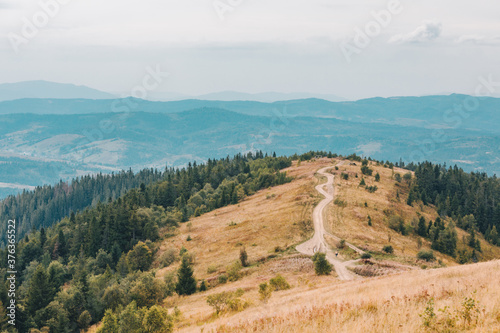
479, 40
428, 31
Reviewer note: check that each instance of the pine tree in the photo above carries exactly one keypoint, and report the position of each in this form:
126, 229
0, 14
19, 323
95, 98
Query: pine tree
377, 177
40, 291
43, 237
422, 229
186, 283
62, 248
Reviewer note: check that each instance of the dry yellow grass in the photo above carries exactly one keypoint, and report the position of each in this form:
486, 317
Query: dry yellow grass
350, 221
386, 304
268, 219
272, 218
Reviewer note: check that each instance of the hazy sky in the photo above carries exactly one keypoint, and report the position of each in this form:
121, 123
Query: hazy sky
422, 47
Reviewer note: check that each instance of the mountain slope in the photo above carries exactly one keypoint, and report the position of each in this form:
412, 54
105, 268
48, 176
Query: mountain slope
279, 218
45, 89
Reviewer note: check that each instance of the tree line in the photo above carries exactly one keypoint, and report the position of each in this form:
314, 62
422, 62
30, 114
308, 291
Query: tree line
103, 253
471, 199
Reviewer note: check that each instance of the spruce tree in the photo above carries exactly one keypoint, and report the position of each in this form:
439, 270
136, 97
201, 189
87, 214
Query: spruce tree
40, 290
186, 283
422, 229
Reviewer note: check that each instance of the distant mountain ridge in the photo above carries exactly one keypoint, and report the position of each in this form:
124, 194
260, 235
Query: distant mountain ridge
425, 111
53, 90
46, 89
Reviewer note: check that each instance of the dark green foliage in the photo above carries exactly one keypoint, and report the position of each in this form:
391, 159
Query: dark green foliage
48, 204
422, 228
366, 255
426, 255
369, 220
388, 249
203, 286
365, 170
362, 182
473, 241
377, 177
458, 194
444, 239
186, 283
98, 253
372, 189
40, 291
321, 265
140, 257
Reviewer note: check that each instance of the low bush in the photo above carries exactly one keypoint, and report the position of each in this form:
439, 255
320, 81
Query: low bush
426, 255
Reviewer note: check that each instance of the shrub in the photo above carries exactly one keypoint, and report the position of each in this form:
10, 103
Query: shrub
365, 170
366, 255
211, 269
397, 177
397, 223
321, 265
265, 292
372, 189
426, 255
203, 286
221, 279
157, 320
226, 300
362, 182
243, 257
279, 283
377, 177
189, 238
233, 271
388, 249
344, 176
168, 257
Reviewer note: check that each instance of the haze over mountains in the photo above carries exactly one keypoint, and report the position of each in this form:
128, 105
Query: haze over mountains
43, 140
46, 89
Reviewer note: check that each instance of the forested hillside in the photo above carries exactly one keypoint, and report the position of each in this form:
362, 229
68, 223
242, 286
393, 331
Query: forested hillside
472, 199
47, 204
103, 250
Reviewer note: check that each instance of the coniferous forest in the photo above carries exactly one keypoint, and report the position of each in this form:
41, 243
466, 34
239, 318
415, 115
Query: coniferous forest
97, 239
85, 249
471, 199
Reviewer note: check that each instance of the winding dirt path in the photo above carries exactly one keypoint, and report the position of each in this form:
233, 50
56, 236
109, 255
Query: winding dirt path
317, 242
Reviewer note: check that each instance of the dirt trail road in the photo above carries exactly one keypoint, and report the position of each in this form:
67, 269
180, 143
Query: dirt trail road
317, 242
